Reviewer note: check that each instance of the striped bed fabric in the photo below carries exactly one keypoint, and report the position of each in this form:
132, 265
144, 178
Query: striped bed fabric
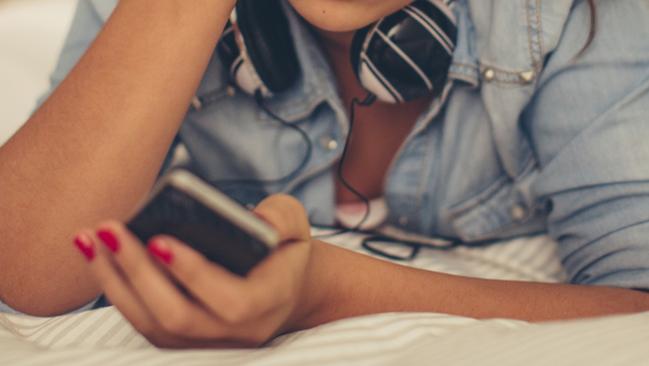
104, 337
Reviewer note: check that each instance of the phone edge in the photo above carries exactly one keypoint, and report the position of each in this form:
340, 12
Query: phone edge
222, 205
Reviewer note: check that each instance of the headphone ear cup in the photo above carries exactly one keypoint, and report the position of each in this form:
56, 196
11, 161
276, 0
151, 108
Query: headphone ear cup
268, 47
369, 79
406, 55
234, 55
357, 47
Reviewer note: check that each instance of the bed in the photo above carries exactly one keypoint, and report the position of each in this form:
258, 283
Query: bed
104, 337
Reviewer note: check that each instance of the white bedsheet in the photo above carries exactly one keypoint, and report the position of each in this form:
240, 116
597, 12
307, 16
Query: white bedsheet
104, 337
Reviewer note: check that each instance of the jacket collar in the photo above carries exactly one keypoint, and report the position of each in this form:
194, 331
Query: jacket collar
316, 84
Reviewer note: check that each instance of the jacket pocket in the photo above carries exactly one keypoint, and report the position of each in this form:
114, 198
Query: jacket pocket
505, 208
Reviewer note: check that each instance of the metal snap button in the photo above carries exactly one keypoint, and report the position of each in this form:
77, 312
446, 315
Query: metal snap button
527, 76
197, 104
518, 212
230, 91
329, 143
489, 74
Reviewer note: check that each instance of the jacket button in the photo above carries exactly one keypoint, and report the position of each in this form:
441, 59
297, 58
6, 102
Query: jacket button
489, 74
330, 144
197, 104
230, 91
518, 212
527, 76
403, 220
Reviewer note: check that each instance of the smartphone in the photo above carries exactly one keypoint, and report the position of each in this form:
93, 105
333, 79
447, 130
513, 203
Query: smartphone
186, 207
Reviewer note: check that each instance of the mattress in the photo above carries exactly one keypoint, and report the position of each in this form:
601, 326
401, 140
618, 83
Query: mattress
103, 337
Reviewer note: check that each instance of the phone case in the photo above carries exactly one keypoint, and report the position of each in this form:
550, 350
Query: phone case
198, 214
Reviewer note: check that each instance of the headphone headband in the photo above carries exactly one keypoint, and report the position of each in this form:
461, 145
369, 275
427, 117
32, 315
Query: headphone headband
402, 57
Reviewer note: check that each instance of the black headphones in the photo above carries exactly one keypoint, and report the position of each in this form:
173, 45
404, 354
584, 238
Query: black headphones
401, 57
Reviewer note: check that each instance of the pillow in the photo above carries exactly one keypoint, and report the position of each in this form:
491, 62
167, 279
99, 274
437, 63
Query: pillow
31, 36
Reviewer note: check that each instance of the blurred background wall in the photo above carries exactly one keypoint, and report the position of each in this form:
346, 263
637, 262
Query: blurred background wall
31, 36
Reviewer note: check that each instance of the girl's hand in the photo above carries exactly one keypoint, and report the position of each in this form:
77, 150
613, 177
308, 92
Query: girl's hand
218, 308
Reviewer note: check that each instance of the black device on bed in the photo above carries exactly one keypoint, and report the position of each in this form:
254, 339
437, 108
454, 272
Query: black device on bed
186, 207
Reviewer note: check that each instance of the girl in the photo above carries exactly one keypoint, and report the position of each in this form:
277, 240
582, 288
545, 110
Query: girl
532, 127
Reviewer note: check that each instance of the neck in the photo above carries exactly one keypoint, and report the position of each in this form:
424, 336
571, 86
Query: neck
336, 41
337, 46
377, 135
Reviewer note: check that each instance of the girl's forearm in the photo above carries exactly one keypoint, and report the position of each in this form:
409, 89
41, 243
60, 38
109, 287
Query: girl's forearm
95, 147
343, 284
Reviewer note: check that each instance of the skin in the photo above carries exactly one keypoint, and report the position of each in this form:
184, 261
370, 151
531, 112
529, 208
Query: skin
92, 152
372, 124
100, 160
339, 16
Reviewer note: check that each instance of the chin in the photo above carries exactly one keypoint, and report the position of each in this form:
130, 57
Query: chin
345, 15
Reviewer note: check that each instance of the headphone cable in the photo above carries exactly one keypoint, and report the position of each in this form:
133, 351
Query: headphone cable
295, 172
356, 102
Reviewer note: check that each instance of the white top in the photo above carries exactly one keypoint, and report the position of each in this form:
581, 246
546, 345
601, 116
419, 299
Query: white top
348, 215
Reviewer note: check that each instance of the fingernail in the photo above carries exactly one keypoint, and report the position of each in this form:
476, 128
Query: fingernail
84, 244
109, 239
161, 250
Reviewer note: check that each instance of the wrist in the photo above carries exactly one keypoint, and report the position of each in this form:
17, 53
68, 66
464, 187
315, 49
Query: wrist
317, 292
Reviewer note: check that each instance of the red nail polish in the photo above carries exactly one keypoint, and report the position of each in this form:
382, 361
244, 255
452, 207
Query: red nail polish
109, 239
160, 251
85, 247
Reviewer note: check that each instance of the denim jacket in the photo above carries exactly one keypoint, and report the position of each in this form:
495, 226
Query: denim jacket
532, 138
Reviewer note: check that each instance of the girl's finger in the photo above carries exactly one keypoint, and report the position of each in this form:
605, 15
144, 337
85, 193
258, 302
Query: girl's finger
244, 302
225, 294
221, 291
115, 288
168, 306
126, 300
287, 215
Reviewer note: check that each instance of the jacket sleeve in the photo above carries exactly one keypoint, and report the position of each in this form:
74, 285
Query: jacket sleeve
589, 124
